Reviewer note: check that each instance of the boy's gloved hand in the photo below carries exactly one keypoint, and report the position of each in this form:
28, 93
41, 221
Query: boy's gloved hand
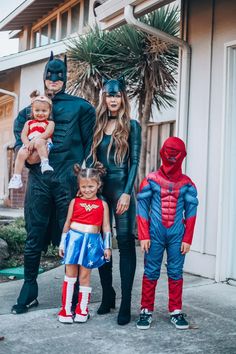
145, 245
185, 247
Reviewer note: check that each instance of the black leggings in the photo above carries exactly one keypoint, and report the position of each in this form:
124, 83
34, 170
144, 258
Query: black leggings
112, 190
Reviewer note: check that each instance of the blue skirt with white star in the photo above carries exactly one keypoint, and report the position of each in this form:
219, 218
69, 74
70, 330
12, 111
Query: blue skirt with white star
84, 248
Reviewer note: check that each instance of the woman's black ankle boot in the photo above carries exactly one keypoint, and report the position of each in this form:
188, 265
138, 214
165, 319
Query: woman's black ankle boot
108, 302
124, 315
108, 293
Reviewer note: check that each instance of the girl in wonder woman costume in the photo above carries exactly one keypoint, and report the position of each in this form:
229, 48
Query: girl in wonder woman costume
82, 245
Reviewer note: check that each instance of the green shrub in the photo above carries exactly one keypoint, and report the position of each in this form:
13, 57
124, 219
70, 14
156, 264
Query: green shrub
12, 262
14, 234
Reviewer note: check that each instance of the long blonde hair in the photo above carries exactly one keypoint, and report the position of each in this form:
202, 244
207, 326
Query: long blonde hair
120, 134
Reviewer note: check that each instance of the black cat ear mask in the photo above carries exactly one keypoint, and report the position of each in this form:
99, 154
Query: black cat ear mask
121, 81
113, 86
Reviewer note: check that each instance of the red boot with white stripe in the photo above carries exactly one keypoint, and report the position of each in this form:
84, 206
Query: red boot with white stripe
65, 314
81, 311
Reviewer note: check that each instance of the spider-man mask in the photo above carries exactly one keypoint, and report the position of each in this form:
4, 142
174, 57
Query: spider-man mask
172, 154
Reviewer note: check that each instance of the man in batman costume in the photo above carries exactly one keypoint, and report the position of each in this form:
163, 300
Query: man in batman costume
48, 195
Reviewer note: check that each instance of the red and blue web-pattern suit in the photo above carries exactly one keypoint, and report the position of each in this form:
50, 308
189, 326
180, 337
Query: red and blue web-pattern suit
166, 214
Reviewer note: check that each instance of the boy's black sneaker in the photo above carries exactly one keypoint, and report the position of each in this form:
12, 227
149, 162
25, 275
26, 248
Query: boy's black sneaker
145, 319
179, 321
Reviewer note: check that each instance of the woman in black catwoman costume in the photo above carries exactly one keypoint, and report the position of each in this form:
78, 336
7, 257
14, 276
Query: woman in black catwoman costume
117, 143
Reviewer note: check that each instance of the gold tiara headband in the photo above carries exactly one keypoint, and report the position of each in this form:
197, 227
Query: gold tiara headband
41, 98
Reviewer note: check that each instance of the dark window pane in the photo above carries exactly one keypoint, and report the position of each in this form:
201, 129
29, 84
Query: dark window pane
53, 30
64, 20
75, 12
44, 35
86, 12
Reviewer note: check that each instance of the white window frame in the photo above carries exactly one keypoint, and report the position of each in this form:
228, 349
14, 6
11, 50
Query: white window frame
224, 233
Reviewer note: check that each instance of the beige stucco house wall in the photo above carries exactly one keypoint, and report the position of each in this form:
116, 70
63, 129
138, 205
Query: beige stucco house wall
209, 27
210, 31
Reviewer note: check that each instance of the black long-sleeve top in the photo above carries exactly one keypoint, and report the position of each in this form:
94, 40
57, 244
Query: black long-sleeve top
128, 168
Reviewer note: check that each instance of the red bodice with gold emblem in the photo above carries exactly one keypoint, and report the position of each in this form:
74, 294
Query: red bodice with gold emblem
36, 127
89, 212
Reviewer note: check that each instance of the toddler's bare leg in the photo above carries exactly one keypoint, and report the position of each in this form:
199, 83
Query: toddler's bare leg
41, 147
22, 156
72, 270
84, 276
33, 158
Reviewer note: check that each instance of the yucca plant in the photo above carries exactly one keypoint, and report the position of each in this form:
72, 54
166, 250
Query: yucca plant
151, 66
148, 63
88, 57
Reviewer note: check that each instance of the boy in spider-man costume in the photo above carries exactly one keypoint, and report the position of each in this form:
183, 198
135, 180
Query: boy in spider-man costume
167, 205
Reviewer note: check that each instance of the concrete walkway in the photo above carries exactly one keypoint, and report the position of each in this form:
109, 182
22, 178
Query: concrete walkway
211, 310
12, 213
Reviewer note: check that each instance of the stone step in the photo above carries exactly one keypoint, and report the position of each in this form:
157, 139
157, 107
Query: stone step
2, 217
6, 221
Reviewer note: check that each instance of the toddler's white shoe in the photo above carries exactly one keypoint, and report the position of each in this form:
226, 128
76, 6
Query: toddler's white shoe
15, 182
46, 167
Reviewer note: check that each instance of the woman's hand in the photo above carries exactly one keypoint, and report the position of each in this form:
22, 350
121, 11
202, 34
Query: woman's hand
123, 203
107, 254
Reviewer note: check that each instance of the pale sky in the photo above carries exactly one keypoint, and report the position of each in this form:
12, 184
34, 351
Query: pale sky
7, 46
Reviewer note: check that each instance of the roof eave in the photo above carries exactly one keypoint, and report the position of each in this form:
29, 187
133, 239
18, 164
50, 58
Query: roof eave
111, 12
14, 34
13, 14
27, 13
31, 56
